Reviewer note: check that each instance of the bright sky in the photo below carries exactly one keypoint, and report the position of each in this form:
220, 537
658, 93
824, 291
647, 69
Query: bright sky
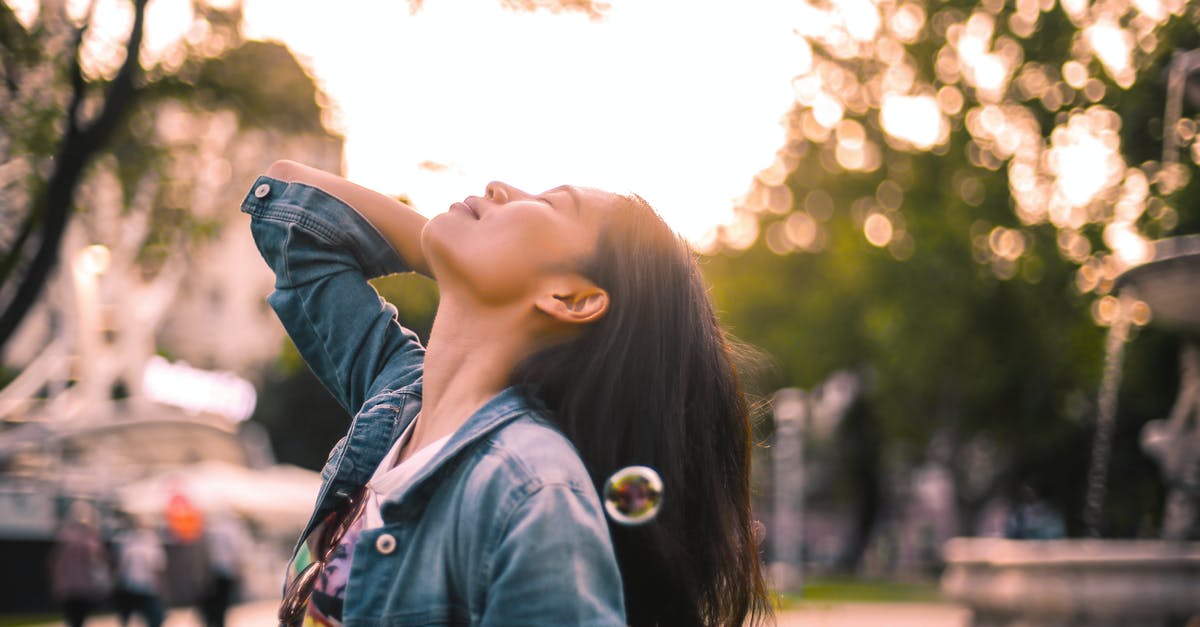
677, 101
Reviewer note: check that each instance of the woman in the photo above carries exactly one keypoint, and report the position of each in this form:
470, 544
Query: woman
79, 567
573, 337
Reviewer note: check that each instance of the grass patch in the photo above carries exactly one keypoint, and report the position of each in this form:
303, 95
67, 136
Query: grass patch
24, 620
848, 589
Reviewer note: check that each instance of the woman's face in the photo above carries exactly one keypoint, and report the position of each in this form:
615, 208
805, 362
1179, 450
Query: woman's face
502, 246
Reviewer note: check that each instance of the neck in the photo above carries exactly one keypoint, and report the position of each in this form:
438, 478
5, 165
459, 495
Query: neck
468, 360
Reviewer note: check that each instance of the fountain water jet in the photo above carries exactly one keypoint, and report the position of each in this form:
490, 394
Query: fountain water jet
1106, 417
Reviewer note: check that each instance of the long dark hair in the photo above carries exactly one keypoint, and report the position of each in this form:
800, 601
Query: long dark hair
653, 383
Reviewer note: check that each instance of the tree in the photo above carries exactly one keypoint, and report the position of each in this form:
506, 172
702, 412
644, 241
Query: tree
28, 52
154, 191
68, 101
960, 184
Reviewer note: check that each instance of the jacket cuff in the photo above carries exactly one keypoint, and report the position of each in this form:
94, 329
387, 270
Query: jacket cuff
328, 218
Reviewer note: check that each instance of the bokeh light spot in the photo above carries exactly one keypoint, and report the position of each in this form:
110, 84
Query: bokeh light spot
878, 229
914, 119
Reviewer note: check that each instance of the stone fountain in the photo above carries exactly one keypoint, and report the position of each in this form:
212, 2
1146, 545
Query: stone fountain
1171, 285
1114, 583
1110, 583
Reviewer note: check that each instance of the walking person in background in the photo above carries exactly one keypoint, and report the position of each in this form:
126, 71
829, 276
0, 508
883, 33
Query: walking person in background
1032, 518
141, 573
574, 337
226, 542
80, 573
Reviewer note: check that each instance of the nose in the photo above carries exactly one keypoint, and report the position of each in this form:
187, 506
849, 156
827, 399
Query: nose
502, 192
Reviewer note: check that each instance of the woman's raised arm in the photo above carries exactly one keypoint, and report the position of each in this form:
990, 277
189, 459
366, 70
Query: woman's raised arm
400, 224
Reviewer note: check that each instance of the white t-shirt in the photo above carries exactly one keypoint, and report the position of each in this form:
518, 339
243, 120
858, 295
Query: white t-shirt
390, 477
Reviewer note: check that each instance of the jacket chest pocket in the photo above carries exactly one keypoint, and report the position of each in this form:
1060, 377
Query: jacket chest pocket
398, 580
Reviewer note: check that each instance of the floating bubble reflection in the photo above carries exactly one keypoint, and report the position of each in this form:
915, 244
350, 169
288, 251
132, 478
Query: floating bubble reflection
633, 495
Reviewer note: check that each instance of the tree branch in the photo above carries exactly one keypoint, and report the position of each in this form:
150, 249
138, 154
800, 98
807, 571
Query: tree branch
78, 89
121, 92
78, 147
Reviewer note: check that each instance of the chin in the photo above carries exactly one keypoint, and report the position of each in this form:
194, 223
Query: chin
434, 244
443, 241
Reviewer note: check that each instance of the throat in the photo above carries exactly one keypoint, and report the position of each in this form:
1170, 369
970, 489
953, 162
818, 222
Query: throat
471, 355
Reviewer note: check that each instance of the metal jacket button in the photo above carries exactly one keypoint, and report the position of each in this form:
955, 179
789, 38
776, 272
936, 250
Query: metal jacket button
262, 190
385, 544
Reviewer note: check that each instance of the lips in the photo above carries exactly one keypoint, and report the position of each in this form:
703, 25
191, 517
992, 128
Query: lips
464, 207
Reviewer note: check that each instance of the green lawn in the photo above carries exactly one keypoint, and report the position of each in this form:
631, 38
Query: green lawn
848, 589
16, 620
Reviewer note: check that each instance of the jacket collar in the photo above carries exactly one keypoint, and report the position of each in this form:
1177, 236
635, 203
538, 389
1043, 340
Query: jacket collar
500, 410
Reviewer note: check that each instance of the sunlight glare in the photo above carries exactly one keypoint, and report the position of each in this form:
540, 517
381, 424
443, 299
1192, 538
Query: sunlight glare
1127, 243
631, 102
26, 11
862, 18
1152, 9
1085, 160
167, 22
827, 110
1113, 45
914, 119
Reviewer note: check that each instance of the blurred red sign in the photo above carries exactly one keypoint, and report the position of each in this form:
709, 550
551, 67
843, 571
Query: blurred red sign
184, 520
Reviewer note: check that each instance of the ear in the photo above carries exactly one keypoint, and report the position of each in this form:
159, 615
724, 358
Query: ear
580, 303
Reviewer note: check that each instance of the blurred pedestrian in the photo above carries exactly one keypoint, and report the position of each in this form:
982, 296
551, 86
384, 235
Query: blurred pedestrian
1032, 518
80, 573
141, 571
226, 541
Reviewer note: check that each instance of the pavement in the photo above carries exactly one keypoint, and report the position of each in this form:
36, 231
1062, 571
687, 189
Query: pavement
811, 614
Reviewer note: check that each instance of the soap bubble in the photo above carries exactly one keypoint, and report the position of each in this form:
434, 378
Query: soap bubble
633, 495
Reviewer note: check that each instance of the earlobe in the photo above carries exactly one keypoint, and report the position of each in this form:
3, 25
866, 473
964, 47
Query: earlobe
578, 307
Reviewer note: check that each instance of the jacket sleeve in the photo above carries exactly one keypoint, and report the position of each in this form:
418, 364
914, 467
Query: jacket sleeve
322, 253
554, 564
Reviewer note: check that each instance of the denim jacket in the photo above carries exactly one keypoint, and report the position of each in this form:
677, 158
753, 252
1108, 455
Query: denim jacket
503, 526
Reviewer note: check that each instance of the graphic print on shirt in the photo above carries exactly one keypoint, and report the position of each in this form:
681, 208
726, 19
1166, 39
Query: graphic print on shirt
329, 594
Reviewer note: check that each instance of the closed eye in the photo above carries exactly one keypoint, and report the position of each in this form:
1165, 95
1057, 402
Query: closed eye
563, 188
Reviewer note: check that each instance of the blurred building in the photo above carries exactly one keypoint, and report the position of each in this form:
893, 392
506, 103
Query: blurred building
167, 269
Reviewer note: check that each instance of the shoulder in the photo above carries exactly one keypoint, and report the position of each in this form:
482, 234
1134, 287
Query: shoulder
533, 451
524, 461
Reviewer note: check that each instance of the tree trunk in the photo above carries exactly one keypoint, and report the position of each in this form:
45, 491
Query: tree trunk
78, 147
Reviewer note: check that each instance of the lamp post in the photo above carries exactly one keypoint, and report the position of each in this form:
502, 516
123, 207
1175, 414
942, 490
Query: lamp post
790, 406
